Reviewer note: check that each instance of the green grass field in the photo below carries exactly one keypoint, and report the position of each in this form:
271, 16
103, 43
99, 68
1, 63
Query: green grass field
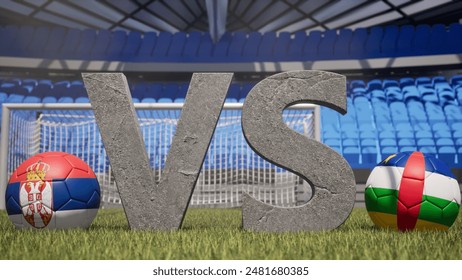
217, 234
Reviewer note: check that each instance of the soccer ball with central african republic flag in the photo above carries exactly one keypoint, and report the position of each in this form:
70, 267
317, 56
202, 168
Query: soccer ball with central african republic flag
412, 191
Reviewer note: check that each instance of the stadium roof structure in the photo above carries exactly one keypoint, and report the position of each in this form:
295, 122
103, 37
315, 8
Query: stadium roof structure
232, 15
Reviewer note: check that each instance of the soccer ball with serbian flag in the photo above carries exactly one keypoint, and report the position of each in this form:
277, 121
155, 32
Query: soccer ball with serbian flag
52, 190
412, 191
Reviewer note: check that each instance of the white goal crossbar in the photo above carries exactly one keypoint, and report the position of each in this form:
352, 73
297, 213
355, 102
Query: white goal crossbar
230, 166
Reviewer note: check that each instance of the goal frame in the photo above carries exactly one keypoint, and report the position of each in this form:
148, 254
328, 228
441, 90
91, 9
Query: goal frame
8, 107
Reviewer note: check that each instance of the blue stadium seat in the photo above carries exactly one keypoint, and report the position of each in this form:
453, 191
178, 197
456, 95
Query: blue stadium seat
440, 126
175, 51
39, 41
77, 89
296, 45
367, 126
453, 113
411, 93
326, 45
333, 142
147, 46
281, 47
378, 95
116, 45
375, 84
350, 142
139, 90
220, 50
246, 88
49, 99
438, 40
393, 93
55, 41
349, 118
421, 39
440, 142
236, 46
43, 88
342, 44
364, 134
60, 88
388, 45
131, 47
310, 49
435, 113
23, 40
368, 142
251, 46
456, 81
85, 45
148, 100
423, 134
386, 151
8, 34
350, 134
429, 150
407, 142
65, 99
170, 91
265, 50
82, 100
98, 51
425, 142
364, 112
388, 142
406, 81
331, 132
404, 126
404, 134
191, 46
404, 46
455, 38
181, 93
29, 82
159, 53
8, 87
205, 48
459, 145
387, 83
428, 93
416, 112
387, 134
154, 90
456, 126
369, 157
373, 42
233, 93
32, 99
398, 112
407, 149
358, 43
14, 98
448, 155
442, 134
352, 155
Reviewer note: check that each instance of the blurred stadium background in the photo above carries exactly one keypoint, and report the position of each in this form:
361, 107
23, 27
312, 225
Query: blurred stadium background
402, 59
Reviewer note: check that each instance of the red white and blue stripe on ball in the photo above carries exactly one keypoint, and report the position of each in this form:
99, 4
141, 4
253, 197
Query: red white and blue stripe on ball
53, 190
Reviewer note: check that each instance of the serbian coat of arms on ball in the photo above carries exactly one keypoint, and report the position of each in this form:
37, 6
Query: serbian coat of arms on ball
36, 196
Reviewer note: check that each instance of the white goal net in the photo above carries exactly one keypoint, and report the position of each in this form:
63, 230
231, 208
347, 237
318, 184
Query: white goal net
230, 166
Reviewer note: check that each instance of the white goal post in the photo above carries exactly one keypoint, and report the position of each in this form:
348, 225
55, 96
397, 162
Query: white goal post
230, 166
